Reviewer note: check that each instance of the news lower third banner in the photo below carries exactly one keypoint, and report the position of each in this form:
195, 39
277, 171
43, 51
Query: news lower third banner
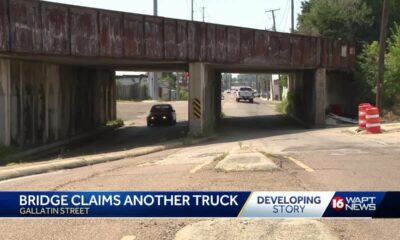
200, 204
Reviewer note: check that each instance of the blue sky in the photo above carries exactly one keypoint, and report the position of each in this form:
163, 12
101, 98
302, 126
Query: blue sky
243, 13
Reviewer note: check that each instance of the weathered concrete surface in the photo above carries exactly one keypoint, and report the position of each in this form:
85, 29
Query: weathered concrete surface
246, 162
5, 101
303, 88
320, 96
43, 102
255, 230
16, 171
373, 165
37, 27
195, 155
313, 91
341, 90
204, 87
246, 156
68, 163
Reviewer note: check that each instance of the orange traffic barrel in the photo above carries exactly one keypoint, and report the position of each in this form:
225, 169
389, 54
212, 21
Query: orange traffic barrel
373, 122
362, 107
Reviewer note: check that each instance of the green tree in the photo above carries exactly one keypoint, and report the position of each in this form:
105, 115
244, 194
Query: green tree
368, 69
346, 19
372, 34
284, 80
170, 79
367, 72
359, 20
391, 86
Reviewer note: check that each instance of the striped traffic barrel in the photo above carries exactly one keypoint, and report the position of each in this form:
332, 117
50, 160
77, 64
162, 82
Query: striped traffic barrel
362, 107
373, 122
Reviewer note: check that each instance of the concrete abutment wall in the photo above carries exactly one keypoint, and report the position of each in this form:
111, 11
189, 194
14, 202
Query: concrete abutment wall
41, 103
314, 91
302, 87
341, 90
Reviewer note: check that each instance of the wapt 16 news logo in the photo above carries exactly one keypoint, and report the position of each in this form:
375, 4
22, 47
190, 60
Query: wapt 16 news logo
353, 203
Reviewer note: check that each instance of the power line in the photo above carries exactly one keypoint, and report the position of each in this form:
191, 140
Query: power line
195, 8
285, 13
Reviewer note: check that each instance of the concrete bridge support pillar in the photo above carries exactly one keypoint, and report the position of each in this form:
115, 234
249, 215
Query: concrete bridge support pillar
310, 96
203, 99
42, 103
5, 102
320, 96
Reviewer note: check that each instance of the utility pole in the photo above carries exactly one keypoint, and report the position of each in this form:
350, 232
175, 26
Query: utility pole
203, 8
274, 29
292, 6
179, 77
154, 77
155, 7
192, 9
381, 60
273, 17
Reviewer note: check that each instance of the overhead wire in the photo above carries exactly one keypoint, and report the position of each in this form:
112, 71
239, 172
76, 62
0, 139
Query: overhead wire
285, 14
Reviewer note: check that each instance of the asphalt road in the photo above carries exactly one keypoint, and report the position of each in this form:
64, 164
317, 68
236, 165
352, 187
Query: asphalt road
329, 159
135, 133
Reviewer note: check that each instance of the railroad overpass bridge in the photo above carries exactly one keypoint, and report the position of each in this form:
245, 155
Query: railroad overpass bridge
57, 66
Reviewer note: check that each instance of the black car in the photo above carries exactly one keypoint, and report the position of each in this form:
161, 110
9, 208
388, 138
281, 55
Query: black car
161, 114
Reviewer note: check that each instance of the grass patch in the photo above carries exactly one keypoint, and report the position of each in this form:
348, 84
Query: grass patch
187, 140
391, 115
286, 106
283, 106
5, 152
115, 123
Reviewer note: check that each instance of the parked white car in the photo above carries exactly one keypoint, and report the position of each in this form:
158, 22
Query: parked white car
245, 93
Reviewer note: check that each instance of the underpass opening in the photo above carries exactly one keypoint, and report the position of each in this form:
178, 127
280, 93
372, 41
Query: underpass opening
153, 106
253, 102
281, 100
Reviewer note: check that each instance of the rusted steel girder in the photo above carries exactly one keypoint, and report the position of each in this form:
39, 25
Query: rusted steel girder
35, 27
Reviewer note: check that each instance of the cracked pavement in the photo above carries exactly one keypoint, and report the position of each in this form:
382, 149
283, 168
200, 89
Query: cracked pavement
339, 160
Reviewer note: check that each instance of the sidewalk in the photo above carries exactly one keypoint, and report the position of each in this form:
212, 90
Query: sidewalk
28, 169
267, 100
385, 128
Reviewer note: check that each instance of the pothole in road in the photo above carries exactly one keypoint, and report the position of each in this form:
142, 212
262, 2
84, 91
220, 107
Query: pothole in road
255, 229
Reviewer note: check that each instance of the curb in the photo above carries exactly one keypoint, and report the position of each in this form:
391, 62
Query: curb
385, 128
54, 165
56, 146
